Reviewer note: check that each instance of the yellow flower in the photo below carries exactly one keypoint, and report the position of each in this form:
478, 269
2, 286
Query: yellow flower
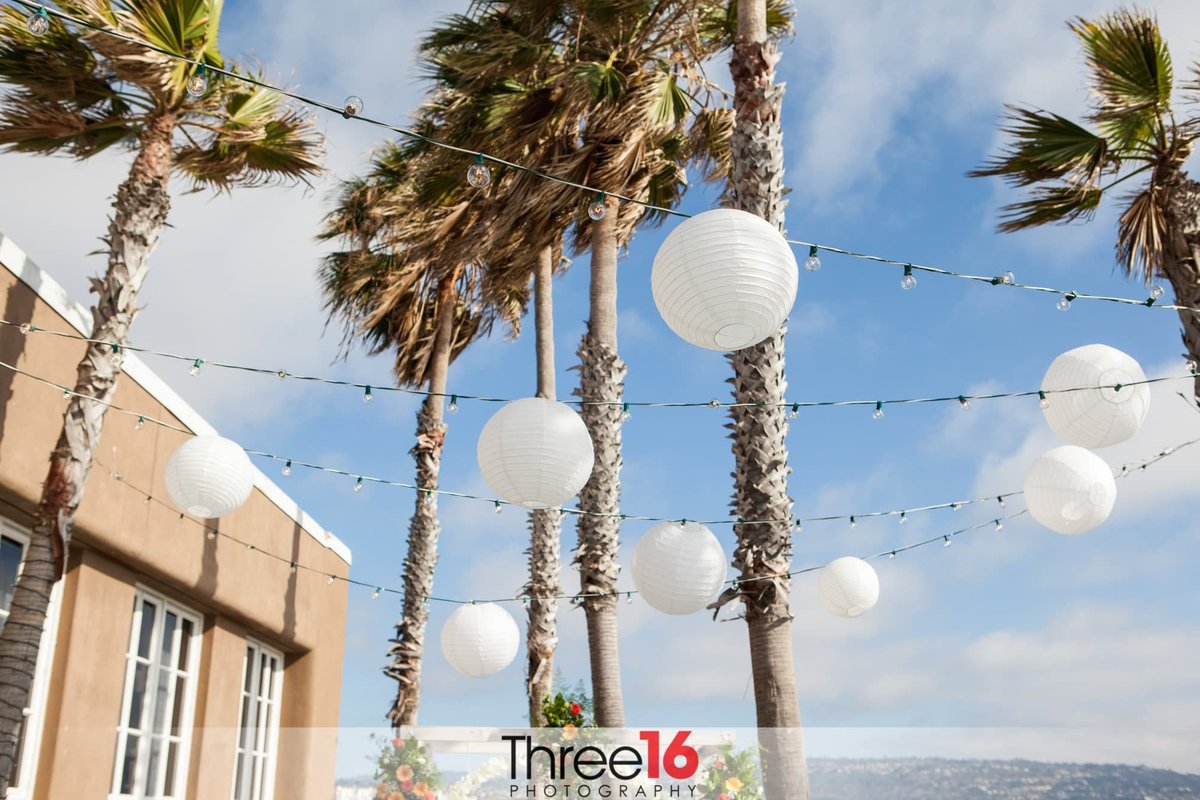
420, 789
733, 784
404, 773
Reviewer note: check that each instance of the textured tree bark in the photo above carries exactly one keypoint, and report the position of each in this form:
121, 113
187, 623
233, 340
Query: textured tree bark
139, 212
1181, 262
546, 525
759, 432
602, 378
423, 529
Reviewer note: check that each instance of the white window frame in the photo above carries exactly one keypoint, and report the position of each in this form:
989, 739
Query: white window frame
258, 782
191, 670
35, 713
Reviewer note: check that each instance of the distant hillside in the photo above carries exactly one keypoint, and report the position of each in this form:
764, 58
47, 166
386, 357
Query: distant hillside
941, 779
945, 779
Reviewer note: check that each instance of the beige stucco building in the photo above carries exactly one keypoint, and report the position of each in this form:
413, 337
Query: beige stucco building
174, 664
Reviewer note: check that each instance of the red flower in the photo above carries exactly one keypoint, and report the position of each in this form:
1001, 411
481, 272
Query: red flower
723, 796
576, 709
397, 743
406, 786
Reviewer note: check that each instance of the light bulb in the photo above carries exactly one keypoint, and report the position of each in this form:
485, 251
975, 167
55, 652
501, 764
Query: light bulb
945, 541
714, 403
375, 594
878, 414
38, 22
813, 262
453, 407
1065, 303
525, 600
1007, 278
628, 598
795, 412
799, 526
478, 174
903, 518
287, 469
292, 568
499, 508
955, 506
625, 413
197, 84
141, 423
853, 523
1000, 500
367, 397
195, 370
352, 107
211, 534
999, 525
597, 209
281, 374
964, 402
892, 554
909, 281
1157, 292
25, 328
425, 601
428, 498
1043, 401
358, 485
331, 579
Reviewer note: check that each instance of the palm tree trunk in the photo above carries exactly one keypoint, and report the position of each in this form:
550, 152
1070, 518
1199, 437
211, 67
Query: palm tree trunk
546, 525
760, 431
1181, 262
423, 529
602, 378
139, 212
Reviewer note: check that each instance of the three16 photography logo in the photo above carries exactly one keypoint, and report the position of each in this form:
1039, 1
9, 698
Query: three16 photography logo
602, 763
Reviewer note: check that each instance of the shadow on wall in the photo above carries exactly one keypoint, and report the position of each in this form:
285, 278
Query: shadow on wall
18, 307
289, 598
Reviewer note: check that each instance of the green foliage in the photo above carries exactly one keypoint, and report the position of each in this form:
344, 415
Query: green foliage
730, 775
405, 771
572, 707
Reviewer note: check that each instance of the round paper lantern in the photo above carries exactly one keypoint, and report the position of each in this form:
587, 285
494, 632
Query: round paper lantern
724, 279
1095, 417
679, 567
848, 587
1070, 489
535, 452
209, 476
480, 639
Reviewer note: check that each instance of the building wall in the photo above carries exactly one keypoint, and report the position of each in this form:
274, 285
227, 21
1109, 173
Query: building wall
121, 541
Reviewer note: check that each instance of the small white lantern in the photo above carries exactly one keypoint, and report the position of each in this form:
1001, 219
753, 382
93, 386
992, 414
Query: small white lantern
1070, 490
848, 587
679, 567
724, 279
1095, 417
535, 453
480, 639
209, 476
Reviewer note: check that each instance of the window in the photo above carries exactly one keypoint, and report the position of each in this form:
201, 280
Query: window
154, 732
258, 730
12, 550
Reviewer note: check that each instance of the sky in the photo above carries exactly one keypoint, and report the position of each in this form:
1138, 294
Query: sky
1020, 643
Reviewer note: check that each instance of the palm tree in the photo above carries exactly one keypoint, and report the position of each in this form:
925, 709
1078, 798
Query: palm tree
764, 551
78, 92
1131, 131
393, 290
598, 93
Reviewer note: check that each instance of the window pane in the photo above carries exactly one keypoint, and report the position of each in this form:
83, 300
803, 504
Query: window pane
10, 563
160, 701
249, 669
168, 638
238, 792
185, 642
264, 682
147, 632
177, 711
138, 697
169, 783
247, 724
152, 766
129, 768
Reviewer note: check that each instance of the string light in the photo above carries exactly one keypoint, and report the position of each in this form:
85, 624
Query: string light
378, 591
499, 507
358, 485
352, 106
25, 328
1156, 292
795, 412
1000, 500
478, 174
287, 469
453, 406
292, 568
281, 374
331, 578
38, 22
1043, 400
197, 84
853, 522
903, 517
964, 402
625, 413
597, 209
1004, 279
195, 370
813, 262
1065, 303
946, 541
714, 403
909, 281
878, 413
210, 534
999, 525
141, 423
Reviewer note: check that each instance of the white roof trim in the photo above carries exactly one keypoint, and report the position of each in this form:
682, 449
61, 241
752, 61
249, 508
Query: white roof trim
19, 264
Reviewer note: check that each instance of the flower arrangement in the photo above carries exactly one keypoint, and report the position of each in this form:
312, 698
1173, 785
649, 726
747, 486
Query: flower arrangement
405, 771
729, 775
569, 710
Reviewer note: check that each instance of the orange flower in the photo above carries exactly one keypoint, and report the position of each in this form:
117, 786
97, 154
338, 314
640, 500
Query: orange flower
404, 773
381, 791
420, 789
570, 731
395, 796
430, 796
406, 786
733, 784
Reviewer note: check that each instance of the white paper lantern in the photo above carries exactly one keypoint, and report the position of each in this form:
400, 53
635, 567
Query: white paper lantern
1095, 417
209, 476
848, 587
679, 567
724, 279
480, 639
1070, 489
536, 453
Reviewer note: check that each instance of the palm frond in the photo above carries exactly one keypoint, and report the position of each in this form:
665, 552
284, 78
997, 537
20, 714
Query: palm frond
1045, 146
1142, 232
1049, 204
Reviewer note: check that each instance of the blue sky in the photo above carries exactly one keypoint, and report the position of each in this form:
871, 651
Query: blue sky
1019, 643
